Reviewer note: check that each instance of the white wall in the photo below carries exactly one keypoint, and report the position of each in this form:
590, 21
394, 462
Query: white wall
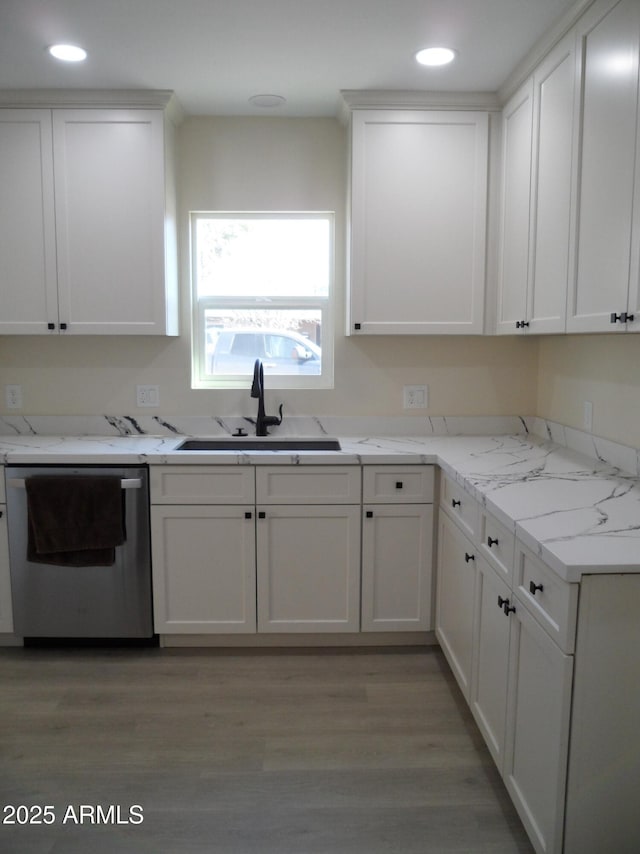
269, 164
603, 369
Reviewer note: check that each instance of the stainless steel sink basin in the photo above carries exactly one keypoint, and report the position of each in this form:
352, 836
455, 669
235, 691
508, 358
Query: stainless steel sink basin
252, 443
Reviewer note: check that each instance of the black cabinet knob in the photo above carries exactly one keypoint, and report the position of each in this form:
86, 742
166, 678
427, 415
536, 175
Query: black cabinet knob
357, 326
63, 326
51, 326
369, 514
468, 557
248, 515
491, 542
455, 502
262, 515
533, 587
399, 484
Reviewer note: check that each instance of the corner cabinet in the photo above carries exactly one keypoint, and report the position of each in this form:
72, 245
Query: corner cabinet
418, 221
87, 222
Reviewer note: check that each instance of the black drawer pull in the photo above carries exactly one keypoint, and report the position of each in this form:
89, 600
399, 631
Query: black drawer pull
399, 484
262, 515
468, 557
504, 604
491, 542
455, 502
369, 514
51, 326
533, 587
248, 515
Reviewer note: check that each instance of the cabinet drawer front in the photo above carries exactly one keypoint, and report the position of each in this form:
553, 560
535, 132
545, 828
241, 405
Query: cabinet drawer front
401, 484
551, 601
497, 545
459, 505
202, 484
308, 485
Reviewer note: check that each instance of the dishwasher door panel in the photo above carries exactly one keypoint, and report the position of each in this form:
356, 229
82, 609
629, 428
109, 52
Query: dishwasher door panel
89, 601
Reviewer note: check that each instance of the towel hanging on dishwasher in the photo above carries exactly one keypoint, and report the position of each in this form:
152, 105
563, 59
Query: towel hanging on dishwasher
74, 520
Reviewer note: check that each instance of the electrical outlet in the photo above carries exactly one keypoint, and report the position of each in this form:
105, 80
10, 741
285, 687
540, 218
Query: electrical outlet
587, 416
13, 396
148, 395
416, 396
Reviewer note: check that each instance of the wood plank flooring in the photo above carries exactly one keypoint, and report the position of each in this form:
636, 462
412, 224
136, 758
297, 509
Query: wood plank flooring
318, 752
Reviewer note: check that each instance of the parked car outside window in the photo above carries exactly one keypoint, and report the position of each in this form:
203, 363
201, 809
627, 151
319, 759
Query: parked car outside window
285, 352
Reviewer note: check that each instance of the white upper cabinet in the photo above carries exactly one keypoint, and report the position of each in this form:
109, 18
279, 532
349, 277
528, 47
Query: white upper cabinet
418, 221
538, 135
86, 223
605, 290
28, 278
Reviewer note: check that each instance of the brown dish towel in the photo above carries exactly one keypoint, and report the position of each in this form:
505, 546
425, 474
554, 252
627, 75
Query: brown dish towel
74, 520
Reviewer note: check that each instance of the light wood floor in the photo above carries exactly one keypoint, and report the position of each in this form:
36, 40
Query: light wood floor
280, 753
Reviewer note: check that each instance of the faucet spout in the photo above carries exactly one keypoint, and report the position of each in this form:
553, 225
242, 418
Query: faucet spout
257, 390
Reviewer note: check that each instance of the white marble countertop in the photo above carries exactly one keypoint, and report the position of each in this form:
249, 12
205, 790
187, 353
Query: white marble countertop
579, 514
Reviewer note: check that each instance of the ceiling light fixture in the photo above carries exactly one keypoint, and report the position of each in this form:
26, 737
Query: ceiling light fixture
434, 56
267, 101
68, 52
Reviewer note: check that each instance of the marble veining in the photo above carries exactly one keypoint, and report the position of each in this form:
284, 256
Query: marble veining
575, 502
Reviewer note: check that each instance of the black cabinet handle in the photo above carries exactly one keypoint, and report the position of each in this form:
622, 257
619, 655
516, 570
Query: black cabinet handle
369, 514
533, 587
623, 317
455, 502
504, 604
262, 515
63, 326
468, 557
51, 326
491, 542
399, 484
248, 515
357, 326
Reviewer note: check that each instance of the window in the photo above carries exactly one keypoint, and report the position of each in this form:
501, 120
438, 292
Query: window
262, 289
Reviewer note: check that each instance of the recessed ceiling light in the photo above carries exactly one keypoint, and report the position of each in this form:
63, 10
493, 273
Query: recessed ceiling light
434, 56
267, 101
68, 52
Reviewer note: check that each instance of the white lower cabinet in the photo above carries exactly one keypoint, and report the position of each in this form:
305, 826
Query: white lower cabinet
538, 713
6, 609
488, 697
397, 548
455, 599
308, 568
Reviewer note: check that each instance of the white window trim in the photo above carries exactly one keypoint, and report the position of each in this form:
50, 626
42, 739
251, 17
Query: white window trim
324, 304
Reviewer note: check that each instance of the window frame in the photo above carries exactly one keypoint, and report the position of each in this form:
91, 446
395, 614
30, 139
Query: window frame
200, 305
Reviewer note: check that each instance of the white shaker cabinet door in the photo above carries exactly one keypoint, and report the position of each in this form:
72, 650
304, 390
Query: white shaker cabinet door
397, 546
418, 222
455, 600
308, 568
28, 279
604, 283
538, 714
203, 569
110, 183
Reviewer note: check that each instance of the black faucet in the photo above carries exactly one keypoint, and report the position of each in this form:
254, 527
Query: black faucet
257, 390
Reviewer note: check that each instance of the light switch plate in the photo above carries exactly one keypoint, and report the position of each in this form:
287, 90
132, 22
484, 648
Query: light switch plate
13, 396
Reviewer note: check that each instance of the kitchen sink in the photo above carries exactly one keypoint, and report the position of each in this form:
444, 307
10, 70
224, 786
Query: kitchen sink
252, 443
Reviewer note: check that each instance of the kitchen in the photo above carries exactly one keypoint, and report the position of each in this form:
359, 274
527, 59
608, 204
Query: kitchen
291, 163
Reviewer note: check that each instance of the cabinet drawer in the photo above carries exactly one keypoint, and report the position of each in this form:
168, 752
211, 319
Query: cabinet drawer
398, 484
497, 545
459, 505
551, 601
308, 485
202, 484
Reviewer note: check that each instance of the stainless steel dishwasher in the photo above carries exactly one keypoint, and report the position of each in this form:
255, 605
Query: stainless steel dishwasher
51, 601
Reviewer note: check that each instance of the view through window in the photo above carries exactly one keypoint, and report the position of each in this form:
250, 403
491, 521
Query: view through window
262, 285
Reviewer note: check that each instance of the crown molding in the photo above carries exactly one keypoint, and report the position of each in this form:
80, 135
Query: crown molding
150, 99
400, 99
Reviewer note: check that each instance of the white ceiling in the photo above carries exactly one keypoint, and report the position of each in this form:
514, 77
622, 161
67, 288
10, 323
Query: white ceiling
215, 54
